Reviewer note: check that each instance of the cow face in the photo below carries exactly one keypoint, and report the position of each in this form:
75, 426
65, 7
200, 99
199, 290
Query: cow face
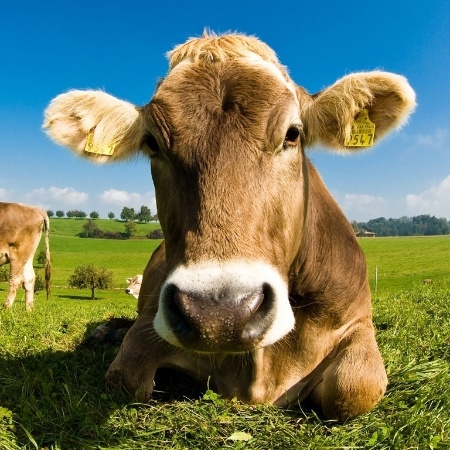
225, 131
227, 164
134, 286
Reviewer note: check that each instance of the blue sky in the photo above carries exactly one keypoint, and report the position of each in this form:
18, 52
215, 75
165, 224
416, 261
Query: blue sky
47, 48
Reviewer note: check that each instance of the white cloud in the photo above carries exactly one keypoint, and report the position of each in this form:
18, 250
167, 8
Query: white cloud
434, 201
121, 198
66, 196
360, 206
5, 195
437, 139
129, 199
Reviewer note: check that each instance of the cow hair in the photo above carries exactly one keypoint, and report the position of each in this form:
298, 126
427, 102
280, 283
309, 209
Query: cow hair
211, 48
260, 283
328, 116
48, 266
71, 117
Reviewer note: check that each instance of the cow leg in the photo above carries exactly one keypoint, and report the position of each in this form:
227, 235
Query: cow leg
15, 279
133, 370
143, 352
29, 277
356, 380
14, 284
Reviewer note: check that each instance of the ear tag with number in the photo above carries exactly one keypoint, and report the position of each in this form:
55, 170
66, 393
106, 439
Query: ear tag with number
91, 148
363, 131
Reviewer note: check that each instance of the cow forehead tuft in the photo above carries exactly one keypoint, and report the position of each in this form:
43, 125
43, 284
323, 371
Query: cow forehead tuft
211, 48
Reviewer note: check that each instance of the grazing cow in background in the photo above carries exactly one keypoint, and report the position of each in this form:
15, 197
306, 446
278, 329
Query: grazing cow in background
134, 286
260, 285
21, 227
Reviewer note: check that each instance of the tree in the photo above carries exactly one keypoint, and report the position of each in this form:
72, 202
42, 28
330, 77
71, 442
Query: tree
130, 229
111, 215
4, 273
144, 215
156, 234
39, 283
423, 225
50, 213
355, 226
90, 277
127, 214
94, 215
76, 213
60, 213
90, 230
41, 258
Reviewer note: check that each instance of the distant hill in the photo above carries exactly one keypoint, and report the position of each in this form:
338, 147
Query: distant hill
424, 225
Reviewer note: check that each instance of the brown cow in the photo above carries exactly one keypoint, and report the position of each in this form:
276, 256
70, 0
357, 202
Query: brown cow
260, 285
21, 227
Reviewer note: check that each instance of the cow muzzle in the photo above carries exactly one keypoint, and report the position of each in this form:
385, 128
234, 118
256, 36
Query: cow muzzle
233, 307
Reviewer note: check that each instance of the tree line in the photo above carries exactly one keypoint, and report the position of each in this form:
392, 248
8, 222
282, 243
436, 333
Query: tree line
143, 215
92, 230
423, 225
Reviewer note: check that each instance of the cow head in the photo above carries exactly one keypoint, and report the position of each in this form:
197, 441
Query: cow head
226, 132
134, 286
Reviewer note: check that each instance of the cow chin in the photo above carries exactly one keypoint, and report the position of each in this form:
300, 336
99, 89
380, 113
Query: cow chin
228, 307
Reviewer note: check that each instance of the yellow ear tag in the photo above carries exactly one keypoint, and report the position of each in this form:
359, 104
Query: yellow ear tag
89, 147
363, 131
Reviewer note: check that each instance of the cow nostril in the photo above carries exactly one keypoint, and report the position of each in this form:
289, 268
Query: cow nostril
218, 319
261, 316
250, 303
178, 311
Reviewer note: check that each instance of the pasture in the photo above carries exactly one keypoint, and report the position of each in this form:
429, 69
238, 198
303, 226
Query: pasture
53, 394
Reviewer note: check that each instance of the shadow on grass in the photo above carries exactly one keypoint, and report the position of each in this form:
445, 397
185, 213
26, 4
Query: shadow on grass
61, 397
78, 297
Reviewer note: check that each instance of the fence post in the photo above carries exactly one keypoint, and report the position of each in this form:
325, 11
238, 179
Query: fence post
376, 279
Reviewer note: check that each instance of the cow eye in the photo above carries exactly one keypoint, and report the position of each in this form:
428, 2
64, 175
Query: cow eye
292, 137
150, 144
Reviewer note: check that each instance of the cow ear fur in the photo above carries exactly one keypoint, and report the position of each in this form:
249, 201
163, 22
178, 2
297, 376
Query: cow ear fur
113, 128
329, 115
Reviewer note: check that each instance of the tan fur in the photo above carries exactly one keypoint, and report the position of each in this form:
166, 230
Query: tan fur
388, 98
21, 227
212, 48
234, 188
134, 286
72, 116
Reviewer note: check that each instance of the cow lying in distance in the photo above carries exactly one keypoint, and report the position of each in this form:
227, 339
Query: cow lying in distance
260, 285
21, 227
134, 286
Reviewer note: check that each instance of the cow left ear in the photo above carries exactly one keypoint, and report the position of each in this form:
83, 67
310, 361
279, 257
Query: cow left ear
95, 125
328, 116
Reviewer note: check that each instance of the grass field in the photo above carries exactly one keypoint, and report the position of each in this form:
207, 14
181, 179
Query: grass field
53, 395
404, 262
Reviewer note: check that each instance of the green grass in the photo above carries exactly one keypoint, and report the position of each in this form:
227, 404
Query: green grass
404, 262
125, 258
71, 227
53, 394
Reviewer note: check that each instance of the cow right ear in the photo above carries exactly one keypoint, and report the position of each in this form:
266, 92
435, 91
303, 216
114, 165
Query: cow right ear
382, 100
95, 125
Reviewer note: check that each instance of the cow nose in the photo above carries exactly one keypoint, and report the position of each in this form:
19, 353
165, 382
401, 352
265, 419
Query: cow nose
218, 321
127, 291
